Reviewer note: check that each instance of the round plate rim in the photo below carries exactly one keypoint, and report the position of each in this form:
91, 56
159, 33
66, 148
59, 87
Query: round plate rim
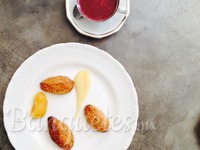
99, 50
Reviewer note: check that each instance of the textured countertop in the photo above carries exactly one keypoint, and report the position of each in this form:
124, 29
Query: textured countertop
159, 46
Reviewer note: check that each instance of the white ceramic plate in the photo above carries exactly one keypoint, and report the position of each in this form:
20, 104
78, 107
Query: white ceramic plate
111, 90
98, 29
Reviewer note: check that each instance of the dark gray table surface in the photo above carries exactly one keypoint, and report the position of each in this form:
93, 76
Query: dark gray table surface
159, 46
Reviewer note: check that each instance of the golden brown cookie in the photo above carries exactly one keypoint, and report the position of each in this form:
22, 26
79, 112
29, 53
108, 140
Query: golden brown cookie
96, 118
60, 133
57, 85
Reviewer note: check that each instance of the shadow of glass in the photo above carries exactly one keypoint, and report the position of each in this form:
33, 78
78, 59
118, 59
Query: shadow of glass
197, 131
